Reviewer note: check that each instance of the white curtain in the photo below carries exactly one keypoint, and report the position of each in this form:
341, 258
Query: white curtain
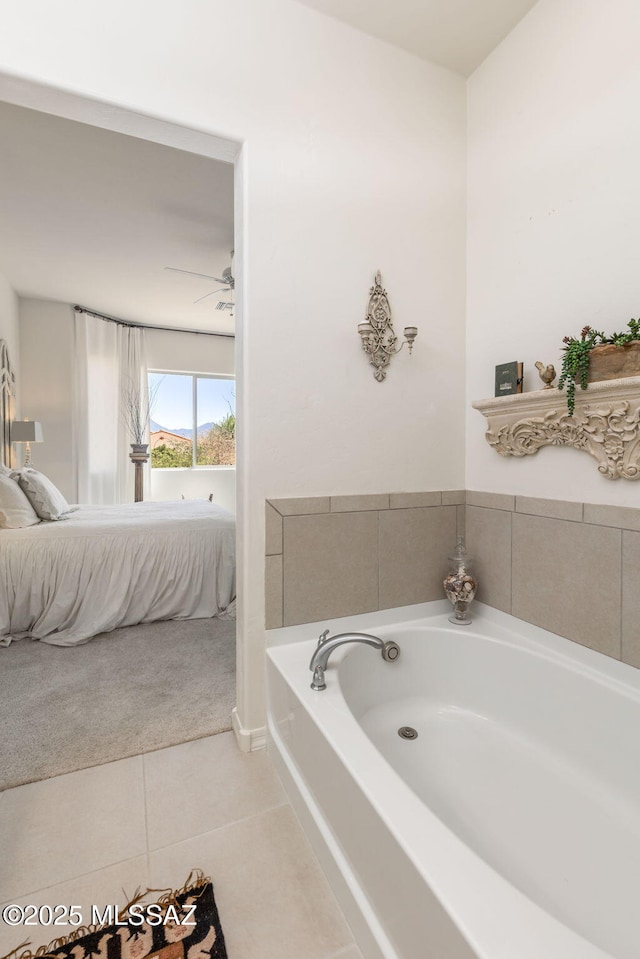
109, 358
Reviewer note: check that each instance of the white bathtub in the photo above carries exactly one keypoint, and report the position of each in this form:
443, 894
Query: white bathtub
510, 828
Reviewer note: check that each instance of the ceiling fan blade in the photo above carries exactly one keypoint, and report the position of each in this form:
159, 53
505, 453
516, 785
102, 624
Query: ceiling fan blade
205, 276
200, 298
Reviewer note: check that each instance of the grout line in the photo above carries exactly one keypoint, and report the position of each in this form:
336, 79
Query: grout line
282, 579
621, 630
82, 875
227, 825
144, 800
378, 561
511, 567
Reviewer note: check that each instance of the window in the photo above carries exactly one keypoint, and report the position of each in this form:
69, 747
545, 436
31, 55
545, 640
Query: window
193, 420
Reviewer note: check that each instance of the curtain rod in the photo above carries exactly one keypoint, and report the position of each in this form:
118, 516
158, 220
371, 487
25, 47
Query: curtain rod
147, 326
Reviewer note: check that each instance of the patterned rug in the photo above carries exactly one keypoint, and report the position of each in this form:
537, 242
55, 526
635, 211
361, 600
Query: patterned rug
180, 924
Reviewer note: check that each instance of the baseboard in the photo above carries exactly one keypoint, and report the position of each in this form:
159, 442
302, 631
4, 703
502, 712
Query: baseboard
248, 740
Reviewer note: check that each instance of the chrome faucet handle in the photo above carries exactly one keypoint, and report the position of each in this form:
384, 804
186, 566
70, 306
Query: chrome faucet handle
318, 678
323, 637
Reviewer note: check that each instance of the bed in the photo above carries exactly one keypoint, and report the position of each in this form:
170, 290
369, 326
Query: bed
108, 566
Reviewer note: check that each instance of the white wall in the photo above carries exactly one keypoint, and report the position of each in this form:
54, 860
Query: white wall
553, 217
186, 352
46, 381
353, 161
9, 330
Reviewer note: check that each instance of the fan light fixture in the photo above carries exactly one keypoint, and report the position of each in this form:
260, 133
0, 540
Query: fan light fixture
227, 279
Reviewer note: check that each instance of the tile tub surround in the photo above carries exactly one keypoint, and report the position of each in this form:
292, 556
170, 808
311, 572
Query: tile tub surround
572, 568
331, 556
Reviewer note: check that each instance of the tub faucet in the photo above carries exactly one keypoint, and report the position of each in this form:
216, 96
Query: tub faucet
326, 645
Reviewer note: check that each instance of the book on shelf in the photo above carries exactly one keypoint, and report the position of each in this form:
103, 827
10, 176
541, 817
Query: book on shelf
509, 377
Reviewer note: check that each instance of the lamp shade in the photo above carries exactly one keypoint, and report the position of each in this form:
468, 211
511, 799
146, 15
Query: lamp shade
26, 431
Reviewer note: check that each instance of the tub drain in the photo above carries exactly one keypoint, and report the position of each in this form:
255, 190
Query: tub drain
407, 732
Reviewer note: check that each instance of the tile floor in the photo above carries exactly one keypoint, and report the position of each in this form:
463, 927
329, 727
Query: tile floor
96, 835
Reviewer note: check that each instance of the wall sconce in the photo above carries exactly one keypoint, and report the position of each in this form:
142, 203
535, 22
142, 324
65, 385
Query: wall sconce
27, 432
377, 333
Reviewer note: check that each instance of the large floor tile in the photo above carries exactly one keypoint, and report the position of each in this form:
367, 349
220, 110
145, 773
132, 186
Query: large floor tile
116, 885
60, 828
199, 786
351, 952
272, 895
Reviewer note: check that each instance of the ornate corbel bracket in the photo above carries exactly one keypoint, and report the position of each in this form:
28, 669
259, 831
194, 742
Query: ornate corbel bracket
606, 424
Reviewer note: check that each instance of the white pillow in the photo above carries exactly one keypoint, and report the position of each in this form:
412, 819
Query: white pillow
44, 496
16, 511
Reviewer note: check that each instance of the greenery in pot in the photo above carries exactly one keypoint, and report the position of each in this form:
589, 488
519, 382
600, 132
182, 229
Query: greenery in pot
576, 356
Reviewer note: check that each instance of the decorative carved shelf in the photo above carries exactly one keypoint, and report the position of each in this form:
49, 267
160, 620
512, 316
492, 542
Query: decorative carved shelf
606, 424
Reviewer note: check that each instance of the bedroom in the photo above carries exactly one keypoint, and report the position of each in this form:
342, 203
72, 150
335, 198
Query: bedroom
92, 216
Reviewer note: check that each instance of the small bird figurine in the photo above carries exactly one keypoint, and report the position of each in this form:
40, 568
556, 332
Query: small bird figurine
546, 373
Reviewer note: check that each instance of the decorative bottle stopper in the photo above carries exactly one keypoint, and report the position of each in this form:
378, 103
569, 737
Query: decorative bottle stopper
459, 584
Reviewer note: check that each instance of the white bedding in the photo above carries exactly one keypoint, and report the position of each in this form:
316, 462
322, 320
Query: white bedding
109, 566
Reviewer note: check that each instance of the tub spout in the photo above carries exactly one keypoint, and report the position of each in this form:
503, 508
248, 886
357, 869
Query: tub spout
326, 645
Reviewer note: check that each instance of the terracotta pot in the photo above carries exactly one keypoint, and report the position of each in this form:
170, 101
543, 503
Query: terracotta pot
610, 362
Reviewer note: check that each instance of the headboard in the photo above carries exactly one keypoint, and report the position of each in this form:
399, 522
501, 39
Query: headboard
7, 403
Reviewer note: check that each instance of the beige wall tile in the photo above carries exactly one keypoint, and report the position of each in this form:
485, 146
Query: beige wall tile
409, 500
301, 505
350, 504
621, 517
555, 508
488, 541
273, 530
414, 545
460, 520
490, 500
631, 598
454, 497
330, 566
273, 592
567, 578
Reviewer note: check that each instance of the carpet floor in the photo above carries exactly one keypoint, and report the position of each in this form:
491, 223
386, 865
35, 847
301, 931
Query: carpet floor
127, 692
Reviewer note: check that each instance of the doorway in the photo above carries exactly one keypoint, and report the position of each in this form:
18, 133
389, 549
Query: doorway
149, 132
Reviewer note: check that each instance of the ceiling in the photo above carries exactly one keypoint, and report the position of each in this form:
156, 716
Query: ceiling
457, 34
92, 217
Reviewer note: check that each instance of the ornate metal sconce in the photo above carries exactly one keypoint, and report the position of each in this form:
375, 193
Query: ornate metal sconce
377, 333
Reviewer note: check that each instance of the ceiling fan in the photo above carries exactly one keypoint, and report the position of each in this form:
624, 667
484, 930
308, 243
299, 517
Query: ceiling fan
227, 279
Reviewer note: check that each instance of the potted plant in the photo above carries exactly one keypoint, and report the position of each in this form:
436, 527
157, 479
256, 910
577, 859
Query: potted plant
598, 356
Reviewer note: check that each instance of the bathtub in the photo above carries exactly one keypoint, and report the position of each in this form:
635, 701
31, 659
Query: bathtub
509, 828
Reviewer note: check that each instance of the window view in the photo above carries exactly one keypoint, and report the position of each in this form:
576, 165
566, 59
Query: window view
193, 420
